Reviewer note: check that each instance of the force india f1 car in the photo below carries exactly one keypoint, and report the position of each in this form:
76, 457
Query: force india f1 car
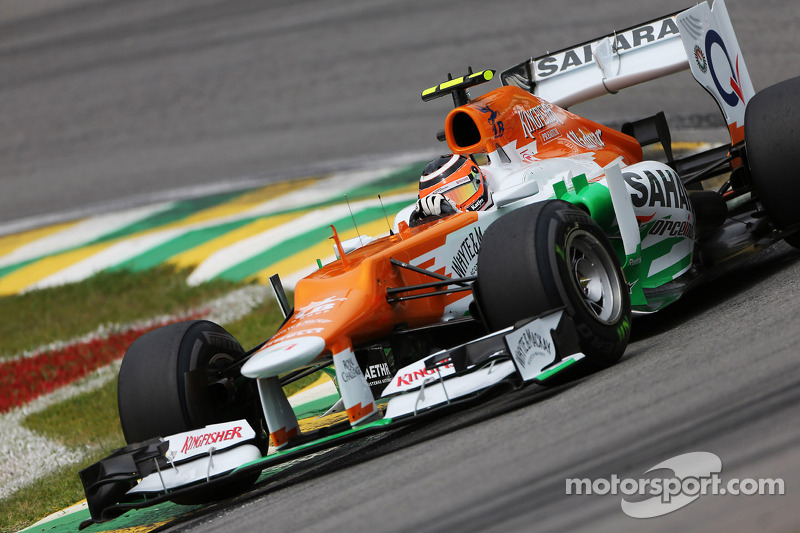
582, 235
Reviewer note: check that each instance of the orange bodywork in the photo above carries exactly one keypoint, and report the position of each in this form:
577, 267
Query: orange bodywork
510, 115
345, 302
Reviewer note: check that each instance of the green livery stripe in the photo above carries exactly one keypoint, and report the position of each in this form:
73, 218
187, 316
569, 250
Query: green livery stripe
669, 273
369, 425
556, 369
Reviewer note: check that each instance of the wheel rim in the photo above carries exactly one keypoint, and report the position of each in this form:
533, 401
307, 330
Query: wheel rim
595, 275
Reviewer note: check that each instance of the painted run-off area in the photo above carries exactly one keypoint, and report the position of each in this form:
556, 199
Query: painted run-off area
241, 235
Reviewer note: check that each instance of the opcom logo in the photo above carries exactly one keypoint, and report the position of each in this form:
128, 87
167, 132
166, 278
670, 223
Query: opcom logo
674, 484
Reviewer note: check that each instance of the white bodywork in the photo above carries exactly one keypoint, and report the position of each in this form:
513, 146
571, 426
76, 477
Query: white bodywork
700, 38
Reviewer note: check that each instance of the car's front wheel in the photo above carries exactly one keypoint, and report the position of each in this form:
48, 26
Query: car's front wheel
548, 255
169, 380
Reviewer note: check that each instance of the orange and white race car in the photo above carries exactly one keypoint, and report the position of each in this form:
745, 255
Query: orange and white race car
581, 233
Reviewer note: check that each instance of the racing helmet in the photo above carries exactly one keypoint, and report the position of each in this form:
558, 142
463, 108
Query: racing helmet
459, 179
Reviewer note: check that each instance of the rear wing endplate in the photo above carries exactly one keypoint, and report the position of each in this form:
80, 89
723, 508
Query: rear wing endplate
700, 38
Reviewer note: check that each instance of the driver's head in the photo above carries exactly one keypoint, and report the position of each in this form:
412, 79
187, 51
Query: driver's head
459, 179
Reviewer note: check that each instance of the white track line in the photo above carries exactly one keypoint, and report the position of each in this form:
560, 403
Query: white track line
236, 253
26, 455
320, 191
81, 233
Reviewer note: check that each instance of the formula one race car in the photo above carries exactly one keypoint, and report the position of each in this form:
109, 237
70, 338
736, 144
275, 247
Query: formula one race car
581, 235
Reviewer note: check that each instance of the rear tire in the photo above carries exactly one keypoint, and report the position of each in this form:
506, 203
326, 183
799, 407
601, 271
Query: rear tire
548, 255
156, 397
772, 127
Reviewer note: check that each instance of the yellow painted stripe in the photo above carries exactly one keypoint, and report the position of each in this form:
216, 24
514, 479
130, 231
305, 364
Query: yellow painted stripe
322, 379
194, 256
9, 243
245, 202
147, 527
316, 251
20, 279
687, 145
313, 423
198, 254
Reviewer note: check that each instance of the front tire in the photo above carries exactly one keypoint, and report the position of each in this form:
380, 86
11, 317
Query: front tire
158, 392
548, 255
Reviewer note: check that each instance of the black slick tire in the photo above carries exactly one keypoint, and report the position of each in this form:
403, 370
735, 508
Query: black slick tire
548, 255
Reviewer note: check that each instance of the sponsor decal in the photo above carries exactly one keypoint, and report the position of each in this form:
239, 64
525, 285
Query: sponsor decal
317, 321
634, 262
628, 40
624, 329
530, 345
528, 154
349, 370
549, 135
537, 118
415, 376
207, 439
301, 333
700, 58
497, 125
378, 374
317, 308
735, 95
657, 188
673, 228
590, 141
465, 261
191, 442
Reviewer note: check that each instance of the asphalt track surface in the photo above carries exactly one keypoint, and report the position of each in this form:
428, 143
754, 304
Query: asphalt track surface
109, 103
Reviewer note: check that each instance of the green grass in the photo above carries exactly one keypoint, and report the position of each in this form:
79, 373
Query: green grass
89, 422
258, 325
101, 430
28, 321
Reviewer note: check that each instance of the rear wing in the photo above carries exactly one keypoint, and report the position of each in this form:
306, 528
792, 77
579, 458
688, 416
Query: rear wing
699, 38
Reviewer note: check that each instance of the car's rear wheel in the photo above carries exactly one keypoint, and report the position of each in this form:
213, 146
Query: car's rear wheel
772, 127
548, 255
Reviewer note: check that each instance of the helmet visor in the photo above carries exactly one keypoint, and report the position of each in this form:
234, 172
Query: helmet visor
464, 190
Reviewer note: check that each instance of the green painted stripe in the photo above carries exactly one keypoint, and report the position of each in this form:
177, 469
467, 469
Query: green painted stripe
297, 244
6, 270
403, 176
179, 211
315, 407
179, 244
